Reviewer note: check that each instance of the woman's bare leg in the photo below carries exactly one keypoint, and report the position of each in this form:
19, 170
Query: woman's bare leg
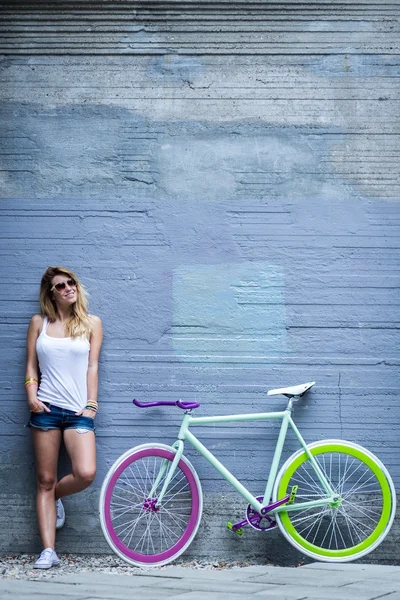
46, 445
81, 448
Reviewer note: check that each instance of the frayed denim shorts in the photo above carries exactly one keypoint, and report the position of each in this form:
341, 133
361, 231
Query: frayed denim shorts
60, 418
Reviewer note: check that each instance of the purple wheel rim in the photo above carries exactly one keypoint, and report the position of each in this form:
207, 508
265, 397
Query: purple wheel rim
170, 552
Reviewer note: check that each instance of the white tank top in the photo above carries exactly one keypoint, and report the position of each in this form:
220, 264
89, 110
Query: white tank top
63, 364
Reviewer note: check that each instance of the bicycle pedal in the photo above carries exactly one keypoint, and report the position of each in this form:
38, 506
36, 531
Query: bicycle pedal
237, 531
293, 494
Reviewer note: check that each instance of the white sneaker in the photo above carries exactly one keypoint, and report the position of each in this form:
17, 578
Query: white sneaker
47, 559
60, 514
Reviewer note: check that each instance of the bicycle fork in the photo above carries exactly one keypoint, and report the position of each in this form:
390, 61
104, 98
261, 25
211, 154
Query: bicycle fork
179, 446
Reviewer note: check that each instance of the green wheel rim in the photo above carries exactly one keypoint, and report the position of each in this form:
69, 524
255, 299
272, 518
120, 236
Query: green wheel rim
386, 502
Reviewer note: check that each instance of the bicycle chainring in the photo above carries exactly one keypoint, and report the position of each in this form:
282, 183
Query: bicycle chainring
257, 521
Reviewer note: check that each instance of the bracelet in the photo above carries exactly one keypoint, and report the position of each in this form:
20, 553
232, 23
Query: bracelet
30, 383
29, 380
35, 407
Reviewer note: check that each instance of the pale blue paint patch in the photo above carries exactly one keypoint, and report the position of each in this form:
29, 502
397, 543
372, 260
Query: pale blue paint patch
354, 65
228, 308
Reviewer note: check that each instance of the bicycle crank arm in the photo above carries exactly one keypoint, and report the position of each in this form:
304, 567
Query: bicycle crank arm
274, 505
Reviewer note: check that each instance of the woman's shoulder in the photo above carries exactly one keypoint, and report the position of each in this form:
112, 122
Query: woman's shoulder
37, 320
95, 322
36, 324
95, 319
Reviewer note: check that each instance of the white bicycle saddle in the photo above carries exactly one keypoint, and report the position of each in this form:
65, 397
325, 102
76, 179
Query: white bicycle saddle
290, 392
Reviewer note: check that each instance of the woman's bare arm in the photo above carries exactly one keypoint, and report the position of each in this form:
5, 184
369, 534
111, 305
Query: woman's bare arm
96, 339
32, 370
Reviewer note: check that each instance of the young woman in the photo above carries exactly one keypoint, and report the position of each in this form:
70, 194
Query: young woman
63, 347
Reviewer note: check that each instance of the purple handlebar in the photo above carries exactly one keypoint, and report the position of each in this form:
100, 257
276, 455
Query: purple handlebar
179, 403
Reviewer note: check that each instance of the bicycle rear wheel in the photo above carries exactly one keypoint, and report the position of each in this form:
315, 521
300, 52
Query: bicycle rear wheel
138, 531
360, 521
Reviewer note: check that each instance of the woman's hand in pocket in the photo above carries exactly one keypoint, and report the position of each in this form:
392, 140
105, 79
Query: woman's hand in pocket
38, 407
86, 412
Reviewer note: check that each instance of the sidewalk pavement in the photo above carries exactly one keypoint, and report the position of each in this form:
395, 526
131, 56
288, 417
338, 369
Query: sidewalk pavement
317, 581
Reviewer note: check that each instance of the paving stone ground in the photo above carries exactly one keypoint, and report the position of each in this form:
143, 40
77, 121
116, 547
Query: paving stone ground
317, 581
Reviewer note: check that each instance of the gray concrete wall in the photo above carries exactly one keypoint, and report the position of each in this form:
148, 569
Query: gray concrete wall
224, 178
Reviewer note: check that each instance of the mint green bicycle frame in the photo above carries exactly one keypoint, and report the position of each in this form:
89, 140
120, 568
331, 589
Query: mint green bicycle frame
286, 417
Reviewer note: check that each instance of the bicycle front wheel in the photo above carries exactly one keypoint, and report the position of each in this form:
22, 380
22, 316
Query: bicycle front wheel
140, 532
361, 519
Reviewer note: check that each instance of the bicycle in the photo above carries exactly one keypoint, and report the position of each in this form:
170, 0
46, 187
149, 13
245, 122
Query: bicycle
333, 500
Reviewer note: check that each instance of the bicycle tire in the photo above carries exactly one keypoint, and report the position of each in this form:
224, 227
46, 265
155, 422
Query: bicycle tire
365, 515
134, 530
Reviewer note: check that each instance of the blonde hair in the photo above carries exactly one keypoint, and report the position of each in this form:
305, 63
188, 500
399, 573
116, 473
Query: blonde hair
79, 322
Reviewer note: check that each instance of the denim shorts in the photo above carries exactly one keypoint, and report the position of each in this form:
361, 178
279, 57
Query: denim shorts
60, 418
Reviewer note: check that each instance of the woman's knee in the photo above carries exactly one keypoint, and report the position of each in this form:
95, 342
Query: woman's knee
46, 482
86, 475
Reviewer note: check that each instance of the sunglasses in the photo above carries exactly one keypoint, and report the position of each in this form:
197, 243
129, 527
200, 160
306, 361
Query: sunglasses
62, 285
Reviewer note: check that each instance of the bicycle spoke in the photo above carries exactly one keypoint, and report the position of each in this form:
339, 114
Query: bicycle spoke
129, 523
319, 522
312, 522
355, 527
310, 517
365, 511
176, 518
371, 488
342, 481
124, 497
139, 485
167, 530
130, 529
358, 523
341, 536
315, 486
119, 512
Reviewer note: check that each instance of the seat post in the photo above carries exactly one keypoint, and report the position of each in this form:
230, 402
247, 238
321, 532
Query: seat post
292, 400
